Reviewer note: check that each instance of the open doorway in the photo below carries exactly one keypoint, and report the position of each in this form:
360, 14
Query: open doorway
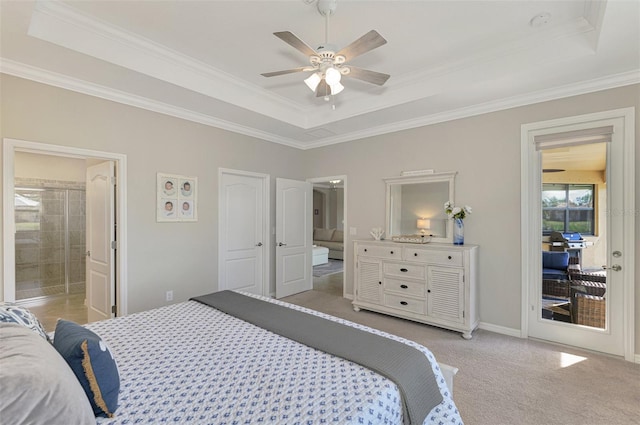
45, 211
50, 221
329, 195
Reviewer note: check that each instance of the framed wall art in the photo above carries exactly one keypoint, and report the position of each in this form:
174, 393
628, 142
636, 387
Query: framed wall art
177, 198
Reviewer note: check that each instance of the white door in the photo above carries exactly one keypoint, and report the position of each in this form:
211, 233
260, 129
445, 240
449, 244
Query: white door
242, 232
617, 244
294, 238
100, 240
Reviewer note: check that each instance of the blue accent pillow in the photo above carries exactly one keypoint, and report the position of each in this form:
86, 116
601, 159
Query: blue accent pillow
93, 364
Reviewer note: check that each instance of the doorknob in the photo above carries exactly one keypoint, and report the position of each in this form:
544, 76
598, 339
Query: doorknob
615, 267
282, 244
259, 244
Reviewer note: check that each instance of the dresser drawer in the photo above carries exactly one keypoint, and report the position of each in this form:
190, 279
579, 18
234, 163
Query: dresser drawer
379, 251
406, 304
414, 271
441, 258
405, 287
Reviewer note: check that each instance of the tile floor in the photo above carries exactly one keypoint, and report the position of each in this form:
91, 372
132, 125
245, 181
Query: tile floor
72, 307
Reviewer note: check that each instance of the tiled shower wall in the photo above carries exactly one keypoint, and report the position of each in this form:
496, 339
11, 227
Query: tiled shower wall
41, 244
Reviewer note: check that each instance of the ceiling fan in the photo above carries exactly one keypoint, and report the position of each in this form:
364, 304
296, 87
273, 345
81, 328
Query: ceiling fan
327, 65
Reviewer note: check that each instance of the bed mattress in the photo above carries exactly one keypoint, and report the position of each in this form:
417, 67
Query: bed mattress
190, 363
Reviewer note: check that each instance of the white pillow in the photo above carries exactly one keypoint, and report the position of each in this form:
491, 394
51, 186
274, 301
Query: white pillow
37, 385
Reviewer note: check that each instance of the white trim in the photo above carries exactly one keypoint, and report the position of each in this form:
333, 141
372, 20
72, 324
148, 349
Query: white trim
266, 225
345, 227
39, 75
530, 259
28, 72
499, 329
10, 146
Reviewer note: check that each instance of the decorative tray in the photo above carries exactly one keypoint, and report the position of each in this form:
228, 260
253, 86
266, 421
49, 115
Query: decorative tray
411, 238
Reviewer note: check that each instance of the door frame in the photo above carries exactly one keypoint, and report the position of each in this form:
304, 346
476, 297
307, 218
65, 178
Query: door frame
345, 227
266, 224
10, 146
531, 232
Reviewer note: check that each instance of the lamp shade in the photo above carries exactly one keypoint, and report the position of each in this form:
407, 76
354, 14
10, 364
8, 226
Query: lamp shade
332, 76
336, 88
313, 81
424, 223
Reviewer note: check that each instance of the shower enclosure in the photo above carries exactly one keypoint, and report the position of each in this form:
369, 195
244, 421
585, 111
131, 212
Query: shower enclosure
50, 240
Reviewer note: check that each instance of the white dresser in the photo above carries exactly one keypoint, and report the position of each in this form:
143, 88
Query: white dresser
432, 283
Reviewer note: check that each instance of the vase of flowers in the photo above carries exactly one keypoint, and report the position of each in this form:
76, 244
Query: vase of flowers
457, 214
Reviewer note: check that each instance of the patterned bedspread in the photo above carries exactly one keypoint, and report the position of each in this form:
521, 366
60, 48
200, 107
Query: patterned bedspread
190, 363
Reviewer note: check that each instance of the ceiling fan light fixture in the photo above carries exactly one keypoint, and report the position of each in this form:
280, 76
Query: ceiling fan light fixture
336, 88
313, 81
332, 76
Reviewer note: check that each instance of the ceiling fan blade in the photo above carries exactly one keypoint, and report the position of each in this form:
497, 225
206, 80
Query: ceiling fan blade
293, 40
367, 42
286, 71
323, 89
372, 77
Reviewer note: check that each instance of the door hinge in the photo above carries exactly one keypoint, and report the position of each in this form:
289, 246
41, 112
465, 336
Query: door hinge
113, 180
114, 244
113, 309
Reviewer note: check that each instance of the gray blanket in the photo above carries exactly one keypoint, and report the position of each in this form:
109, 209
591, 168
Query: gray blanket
406, 366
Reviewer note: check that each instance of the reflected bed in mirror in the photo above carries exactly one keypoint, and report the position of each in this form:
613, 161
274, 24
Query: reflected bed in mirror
415, 205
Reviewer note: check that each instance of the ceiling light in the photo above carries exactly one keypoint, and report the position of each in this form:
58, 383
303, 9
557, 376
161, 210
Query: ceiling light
313, 81
336, 88
332, 76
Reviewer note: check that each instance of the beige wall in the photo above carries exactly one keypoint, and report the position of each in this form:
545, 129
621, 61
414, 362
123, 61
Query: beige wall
161, 256
34, 166
485, 150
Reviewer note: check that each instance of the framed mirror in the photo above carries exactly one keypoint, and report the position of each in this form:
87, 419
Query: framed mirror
415, 205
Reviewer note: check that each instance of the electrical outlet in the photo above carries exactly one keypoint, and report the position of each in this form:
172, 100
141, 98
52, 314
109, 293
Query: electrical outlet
169, 296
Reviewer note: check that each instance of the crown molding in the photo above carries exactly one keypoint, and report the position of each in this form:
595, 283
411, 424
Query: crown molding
63, 25
28, 72
576, 89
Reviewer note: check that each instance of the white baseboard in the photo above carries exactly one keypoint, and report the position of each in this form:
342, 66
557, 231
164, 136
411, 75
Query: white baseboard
500, 329
637, 358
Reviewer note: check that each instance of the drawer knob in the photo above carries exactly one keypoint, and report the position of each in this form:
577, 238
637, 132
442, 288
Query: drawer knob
404, 303
429, 290
379, 283
415, 254
449, 257
365, 250
404, 286
404, 270
391, 252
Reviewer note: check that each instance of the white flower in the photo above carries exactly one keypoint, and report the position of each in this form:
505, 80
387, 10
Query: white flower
456, 212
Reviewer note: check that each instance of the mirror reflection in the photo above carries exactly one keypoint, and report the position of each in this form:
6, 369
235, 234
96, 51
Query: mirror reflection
415, 205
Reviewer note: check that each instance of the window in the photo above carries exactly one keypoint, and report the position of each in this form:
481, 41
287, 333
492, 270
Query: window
568, 208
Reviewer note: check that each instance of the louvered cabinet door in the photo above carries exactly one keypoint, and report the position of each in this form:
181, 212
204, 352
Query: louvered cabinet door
369, 280
445, 293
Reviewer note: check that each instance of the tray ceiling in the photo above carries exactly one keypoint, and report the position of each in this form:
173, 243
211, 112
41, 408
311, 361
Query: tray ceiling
202, 60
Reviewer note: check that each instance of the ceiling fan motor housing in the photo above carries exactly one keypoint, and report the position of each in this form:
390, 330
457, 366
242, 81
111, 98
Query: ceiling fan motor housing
327, 7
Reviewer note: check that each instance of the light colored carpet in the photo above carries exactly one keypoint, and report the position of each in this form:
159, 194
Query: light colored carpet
508, 380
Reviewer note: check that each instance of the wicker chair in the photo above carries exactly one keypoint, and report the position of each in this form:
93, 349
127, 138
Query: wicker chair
588, 303
588, 310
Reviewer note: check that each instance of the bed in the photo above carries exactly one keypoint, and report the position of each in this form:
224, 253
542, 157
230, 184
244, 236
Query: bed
192, 363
